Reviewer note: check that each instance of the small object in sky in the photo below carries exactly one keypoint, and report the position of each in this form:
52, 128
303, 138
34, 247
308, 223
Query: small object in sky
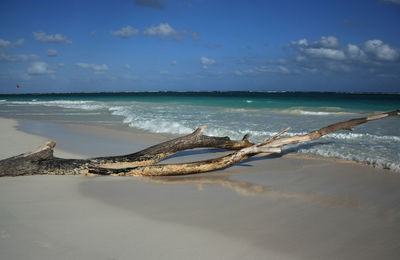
17, 85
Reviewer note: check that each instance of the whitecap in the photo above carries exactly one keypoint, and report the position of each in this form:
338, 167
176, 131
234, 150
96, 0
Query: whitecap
357, 156
74, 104
357, 136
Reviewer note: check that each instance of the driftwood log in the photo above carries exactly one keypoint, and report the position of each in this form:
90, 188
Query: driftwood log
144, 163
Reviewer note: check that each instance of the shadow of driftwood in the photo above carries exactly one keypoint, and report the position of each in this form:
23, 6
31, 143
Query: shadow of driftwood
244, 188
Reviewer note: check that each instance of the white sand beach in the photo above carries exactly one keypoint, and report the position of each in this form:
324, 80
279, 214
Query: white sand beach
263, 208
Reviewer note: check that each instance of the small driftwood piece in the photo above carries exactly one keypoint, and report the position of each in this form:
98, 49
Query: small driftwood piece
144, 163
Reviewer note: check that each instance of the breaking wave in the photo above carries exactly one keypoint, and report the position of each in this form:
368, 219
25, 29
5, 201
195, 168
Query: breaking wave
314, 113
377, 161
74, 104
155, 125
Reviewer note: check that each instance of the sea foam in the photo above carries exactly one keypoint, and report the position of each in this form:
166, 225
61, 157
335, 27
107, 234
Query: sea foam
74, 104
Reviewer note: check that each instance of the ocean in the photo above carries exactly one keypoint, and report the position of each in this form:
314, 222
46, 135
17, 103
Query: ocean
233, 114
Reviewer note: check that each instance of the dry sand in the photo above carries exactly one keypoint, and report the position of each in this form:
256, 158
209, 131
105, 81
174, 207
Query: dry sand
263, 208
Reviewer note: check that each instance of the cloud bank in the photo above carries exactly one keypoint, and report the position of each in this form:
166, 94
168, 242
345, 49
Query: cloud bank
328, 54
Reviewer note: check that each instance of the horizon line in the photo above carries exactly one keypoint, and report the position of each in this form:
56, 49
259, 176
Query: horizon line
200, 91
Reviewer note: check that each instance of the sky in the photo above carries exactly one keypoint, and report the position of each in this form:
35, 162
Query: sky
199, 45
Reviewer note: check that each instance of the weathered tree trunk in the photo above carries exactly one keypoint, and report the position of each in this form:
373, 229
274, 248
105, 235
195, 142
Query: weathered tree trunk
42, 161
143, 163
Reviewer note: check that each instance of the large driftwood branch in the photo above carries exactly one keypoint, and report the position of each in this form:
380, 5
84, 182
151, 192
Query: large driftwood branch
273, 145
42, 161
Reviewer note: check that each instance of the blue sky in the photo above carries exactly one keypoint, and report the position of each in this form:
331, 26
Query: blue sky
200, 45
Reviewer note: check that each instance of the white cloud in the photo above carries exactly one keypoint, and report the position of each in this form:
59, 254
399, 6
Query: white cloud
94, 67
380, 50
329, 42
4, 43
325, 53
126, 32
302, 42
161, 30
39, 68
174, 62
51, 38
207, 62
164, 30
52, 53
355, 52
329, 48
18, 57
8, 44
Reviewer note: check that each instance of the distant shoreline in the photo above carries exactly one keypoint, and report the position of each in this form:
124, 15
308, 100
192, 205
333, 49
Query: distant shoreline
199, 92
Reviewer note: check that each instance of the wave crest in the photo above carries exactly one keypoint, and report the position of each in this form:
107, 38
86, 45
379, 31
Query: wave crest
74, 104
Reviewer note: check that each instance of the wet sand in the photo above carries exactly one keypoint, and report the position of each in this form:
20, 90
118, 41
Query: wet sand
263, 208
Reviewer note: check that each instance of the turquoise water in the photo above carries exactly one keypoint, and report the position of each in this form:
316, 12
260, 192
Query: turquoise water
234, 114
363, 102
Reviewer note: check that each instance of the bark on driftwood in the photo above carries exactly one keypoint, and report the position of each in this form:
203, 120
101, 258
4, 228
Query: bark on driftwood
143, 163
